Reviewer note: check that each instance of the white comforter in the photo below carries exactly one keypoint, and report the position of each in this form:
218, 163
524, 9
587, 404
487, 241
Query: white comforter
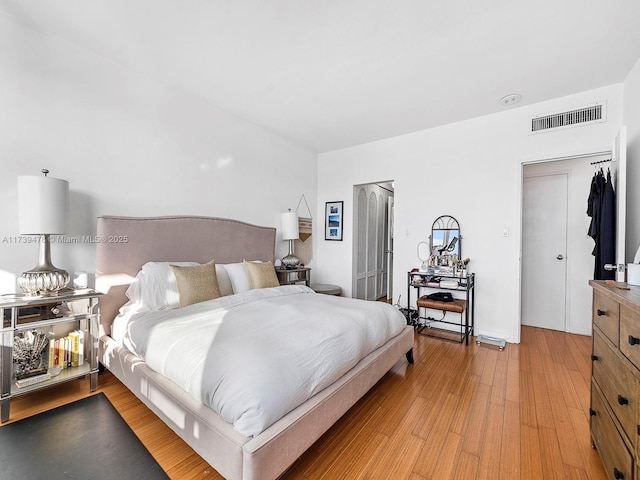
255, 356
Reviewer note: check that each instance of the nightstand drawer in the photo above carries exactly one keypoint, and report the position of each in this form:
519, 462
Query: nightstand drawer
292, 276
619, 384
630, 334
606, 316
608, 442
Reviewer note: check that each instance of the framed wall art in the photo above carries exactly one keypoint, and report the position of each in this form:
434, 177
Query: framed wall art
333, 221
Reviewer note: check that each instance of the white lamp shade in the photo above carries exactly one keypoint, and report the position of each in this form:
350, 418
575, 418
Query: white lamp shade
290, 229
42, 205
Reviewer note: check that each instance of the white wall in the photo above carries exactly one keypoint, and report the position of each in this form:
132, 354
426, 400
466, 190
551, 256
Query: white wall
128, 145
472, 171
632, 121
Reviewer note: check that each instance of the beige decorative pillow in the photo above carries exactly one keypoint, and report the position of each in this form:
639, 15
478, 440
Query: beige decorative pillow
197, 283
261, 275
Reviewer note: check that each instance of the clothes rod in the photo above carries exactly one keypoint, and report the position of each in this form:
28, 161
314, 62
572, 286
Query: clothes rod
602, 161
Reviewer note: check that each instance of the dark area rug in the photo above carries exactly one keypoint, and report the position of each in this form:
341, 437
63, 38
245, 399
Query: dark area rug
87, 439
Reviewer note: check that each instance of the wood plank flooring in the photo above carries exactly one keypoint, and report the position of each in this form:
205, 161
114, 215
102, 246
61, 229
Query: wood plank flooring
458, 413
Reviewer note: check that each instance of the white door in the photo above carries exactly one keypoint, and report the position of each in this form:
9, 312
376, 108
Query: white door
389, 251
360, 239
372, 246
366, 243
371, 273
544, 247
619, 171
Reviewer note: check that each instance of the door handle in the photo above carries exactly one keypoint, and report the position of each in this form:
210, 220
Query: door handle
560, 257
620, 267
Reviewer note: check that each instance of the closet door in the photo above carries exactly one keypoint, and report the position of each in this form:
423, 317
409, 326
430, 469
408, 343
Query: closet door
382, 266
371, 270
360, 290
544, 251
372, 244
388, 271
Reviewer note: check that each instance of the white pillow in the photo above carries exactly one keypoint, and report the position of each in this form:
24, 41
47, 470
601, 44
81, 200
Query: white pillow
155, 287
238, 276
133, 291
224, 282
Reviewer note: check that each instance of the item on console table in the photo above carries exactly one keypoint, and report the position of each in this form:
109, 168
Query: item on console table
28, 348
439, 297
25, 382
416, 278
448, 283
463, 269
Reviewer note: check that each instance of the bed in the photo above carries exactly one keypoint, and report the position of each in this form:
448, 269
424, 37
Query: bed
125, 245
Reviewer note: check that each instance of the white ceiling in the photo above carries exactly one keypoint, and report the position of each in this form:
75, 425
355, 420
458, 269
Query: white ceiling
334, 73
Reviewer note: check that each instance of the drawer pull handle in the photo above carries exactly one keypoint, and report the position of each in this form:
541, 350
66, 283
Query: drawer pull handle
633, 340
622, 400
601, 312
594, 358
593, 413
617, 474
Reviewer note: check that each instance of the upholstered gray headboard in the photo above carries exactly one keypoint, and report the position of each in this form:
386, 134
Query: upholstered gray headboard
127, 243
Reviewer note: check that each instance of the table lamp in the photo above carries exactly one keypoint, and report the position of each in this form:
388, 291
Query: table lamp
42, 210
290, 232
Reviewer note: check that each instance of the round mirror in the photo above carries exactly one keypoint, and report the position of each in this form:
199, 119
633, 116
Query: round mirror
423, 255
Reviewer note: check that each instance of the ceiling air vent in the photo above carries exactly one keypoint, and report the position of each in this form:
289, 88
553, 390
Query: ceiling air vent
580, 116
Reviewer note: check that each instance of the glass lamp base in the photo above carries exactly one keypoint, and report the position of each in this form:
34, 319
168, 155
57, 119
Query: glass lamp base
44, 279
43, 283
290, 261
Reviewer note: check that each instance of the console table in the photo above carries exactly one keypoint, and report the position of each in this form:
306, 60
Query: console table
72, 312
430, 326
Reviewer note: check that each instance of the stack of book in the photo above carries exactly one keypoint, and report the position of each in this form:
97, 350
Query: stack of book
67, 352
25, 382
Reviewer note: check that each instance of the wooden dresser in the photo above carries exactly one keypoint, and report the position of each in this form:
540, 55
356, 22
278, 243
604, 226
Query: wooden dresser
615, 379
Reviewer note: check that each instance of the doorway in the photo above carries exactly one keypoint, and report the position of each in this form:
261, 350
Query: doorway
373, 241
557, 263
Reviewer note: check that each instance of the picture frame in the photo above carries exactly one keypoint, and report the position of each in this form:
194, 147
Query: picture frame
333, 221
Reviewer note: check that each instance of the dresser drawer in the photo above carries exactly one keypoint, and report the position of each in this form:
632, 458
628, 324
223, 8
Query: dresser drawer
613, 452
630, 334
619, 384
606, 316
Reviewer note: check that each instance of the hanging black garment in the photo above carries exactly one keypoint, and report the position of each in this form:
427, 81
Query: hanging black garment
593, 206
606, 242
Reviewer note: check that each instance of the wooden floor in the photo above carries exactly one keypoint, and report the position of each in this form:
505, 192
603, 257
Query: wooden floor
457, 413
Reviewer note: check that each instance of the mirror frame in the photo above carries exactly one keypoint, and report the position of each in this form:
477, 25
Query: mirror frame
449, 223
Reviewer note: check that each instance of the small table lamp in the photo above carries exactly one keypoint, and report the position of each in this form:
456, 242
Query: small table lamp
290, 232
42, 210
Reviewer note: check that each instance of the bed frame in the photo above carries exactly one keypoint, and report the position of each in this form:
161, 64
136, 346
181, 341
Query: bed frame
125, 245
